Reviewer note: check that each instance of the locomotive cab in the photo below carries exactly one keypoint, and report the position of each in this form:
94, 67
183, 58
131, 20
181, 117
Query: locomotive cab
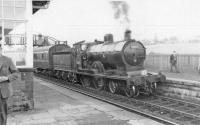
78, 48
80, 55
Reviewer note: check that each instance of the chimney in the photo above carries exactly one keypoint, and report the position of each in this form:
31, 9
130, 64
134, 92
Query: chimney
108, 38
127, 35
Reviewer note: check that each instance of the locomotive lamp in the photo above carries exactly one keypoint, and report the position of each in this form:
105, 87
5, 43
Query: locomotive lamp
135, 60
144, 72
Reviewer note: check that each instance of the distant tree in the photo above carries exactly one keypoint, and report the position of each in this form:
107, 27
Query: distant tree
165, 40
194, 41
173, 39
156, 39
146, 42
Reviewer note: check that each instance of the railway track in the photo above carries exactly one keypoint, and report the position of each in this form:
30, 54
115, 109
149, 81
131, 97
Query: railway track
163, 109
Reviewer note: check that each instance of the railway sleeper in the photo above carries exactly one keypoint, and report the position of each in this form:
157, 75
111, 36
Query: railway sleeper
119, 85
195, 122
185, 118
165, 112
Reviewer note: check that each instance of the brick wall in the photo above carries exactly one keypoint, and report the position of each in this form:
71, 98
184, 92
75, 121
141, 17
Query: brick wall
22, 99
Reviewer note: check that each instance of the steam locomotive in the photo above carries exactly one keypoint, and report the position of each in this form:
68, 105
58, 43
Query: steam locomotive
114, 66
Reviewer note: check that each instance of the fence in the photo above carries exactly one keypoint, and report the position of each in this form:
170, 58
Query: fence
160, 62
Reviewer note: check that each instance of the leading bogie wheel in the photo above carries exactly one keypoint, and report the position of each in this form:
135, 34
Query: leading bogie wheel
131, 91
44, 72
152, 88
72, 77
85, 81
64, 76
113, 86
59, 75
98, 83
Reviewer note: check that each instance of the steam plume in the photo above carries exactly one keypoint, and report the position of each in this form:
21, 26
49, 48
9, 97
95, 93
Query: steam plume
121, 10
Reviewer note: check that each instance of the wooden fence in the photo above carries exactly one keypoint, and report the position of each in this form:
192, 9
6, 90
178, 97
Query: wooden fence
160, 62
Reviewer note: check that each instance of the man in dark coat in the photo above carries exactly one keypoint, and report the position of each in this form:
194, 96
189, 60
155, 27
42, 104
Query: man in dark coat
8, 73
173, 62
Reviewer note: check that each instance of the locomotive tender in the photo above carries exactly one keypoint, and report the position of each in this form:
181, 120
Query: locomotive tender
104, 64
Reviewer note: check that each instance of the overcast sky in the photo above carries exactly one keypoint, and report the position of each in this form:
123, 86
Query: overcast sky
166, 17
89, 19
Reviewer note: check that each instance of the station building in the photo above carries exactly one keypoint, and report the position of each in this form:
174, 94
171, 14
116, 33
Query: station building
20, 46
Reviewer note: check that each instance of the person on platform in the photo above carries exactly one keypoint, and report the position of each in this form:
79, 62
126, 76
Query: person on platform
198, 68
8, 73
173, 62
40, 40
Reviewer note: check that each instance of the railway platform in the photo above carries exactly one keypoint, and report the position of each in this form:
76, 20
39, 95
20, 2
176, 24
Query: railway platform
181, 85
55, 105
180, 76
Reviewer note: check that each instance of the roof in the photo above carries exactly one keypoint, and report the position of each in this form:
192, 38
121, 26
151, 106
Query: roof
40, 4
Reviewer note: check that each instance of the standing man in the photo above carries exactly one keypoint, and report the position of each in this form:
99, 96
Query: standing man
173, 62
198, 68
8, 73
40, 40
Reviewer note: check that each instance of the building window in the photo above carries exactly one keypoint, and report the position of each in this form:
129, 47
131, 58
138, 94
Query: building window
13, 35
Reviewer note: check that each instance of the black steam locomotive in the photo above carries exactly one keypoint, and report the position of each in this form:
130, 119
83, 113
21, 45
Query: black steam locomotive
101, 64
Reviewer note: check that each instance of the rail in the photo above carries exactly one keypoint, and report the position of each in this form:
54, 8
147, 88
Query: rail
163, 109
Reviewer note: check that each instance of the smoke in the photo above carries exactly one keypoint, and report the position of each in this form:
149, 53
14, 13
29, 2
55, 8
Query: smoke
121, 11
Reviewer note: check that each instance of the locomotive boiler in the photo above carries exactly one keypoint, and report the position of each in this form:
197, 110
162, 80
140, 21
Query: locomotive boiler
122, 57
117, 65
